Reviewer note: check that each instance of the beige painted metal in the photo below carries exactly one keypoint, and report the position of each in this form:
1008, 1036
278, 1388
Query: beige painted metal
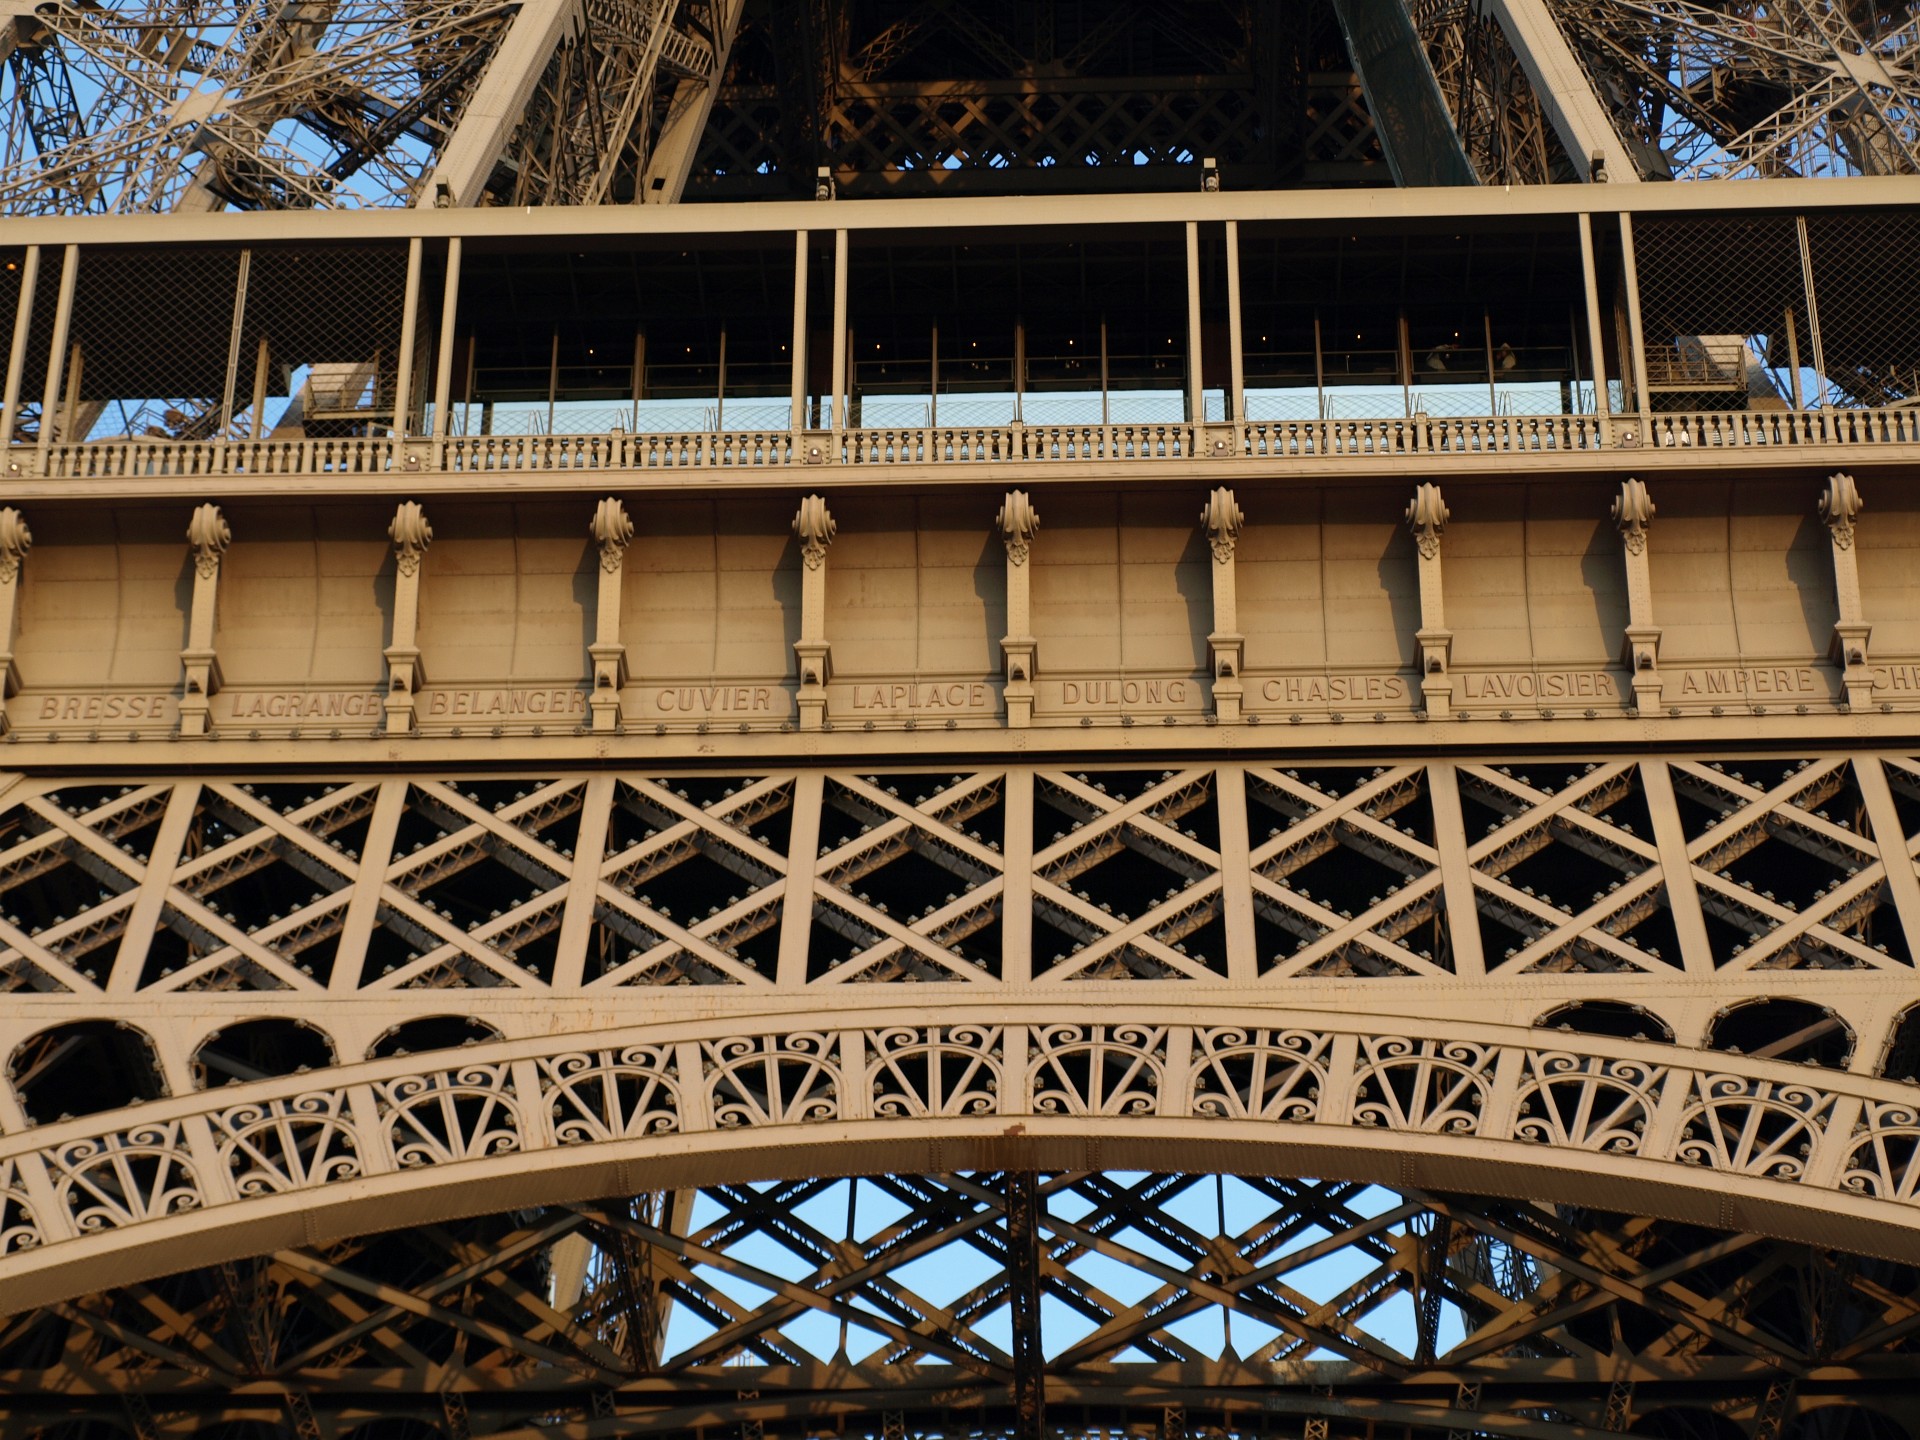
1561, 84
1459, 1105
497, 105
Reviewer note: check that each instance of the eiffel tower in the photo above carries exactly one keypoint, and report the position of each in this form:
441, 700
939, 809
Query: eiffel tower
577, 861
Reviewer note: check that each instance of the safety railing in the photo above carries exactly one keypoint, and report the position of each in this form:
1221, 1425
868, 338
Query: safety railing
948, 445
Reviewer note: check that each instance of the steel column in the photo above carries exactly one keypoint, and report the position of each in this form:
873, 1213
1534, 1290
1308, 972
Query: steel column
17, 351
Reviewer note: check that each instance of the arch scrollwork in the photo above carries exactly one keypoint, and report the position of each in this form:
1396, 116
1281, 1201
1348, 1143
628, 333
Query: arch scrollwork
772, 1079
610, 1094
448, 1115
1258, 1074
140, 1173
1587, 1102
1883, 1159
1426, 1086
1097, 1069
275, 1146
1738, 1125
915, 1073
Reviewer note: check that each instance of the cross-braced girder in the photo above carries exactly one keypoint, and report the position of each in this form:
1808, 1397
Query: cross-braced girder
1236, 1305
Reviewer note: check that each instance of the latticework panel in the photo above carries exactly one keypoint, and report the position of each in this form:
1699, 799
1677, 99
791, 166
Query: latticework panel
1274, 1302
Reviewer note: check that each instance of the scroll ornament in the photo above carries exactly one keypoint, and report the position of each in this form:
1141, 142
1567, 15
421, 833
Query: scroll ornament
411, 535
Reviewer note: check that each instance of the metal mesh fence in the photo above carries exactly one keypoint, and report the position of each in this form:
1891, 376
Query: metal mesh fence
148, 346
1723, 311
329, 317
1868, 300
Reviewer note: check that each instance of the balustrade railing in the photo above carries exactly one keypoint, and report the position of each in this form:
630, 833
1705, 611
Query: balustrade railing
944, 445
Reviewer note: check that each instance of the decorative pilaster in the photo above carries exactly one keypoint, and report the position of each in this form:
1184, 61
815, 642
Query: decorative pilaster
1223, 519
613, 532
816, 529
15, 541
411, 536
1633, 512
1840, 503
1019, 522
1427, 519
209, 535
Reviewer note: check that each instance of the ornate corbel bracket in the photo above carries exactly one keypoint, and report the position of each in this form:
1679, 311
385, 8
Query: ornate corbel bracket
1633, 512
815, 528
1840, 506
612, 531
1427, 517
1223, 519
411, 535
1018, 523
15, 541
208, 536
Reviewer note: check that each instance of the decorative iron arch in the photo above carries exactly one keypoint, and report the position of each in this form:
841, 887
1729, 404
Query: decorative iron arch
1691, 1135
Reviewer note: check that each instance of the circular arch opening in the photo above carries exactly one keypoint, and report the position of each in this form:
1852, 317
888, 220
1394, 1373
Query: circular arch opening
83, 1069
260, 1050
431, 1032
1615, 1018
1776, 1029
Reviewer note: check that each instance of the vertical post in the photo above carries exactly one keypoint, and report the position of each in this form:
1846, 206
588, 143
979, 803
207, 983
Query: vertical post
1019, 370
449, 317
1016, 909
1840, 506
1813, 308
411, 535
1019, 522
1222, 520
1319, 368
815, 529
1596, 350
1793, 359
839, 421
232, 383
1633, 511
1106, 412
720, 384
1636, 337
1403, 361
208, 535
262, 371
1427, 518
15, 541
17, 351
933, 380
612, 531
1196, 378
797, 416
57, 351
1236, 338
1493, 388
639, 374
466, 407
553, 377
409, 328
1023, 1285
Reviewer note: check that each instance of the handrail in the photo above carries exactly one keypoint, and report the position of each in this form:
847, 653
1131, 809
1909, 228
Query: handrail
944, 445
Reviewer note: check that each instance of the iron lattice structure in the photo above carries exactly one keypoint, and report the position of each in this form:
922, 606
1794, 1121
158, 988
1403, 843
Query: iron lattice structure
160, 106
648, 963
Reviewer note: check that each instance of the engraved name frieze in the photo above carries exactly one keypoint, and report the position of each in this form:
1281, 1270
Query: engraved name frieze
505, 703
704, 700
1112, 694
1785, 681
302, 704
905, 697
61, 708
1537, 685
1332, 689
